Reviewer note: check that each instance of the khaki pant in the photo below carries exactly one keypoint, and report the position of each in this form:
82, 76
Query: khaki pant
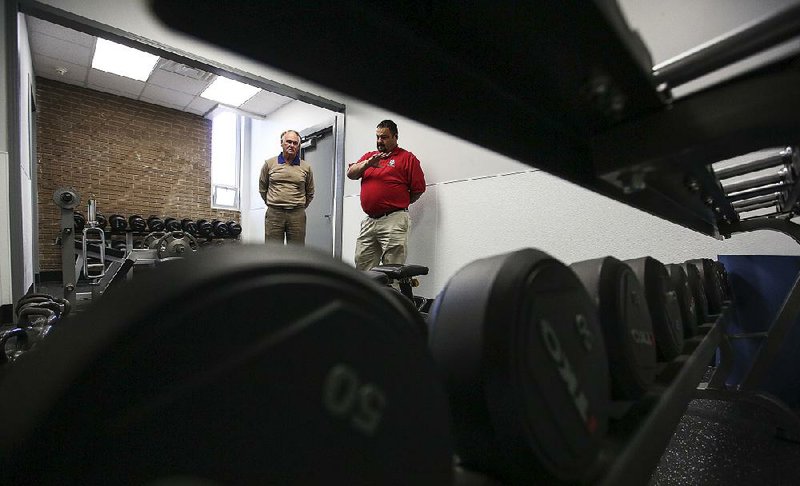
383, 240
289, 222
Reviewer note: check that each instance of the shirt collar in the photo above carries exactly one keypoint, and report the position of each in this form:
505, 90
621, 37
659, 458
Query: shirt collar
282, 160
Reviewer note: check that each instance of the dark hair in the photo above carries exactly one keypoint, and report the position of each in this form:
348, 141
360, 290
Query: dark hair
392, 126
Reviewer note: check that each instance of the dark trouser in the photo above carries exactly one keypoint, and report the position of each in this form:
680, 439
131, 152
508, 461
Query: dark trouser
290, 222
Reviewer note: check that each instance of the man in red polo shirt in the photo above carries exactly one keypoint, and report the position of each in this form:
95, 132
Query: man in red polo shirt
391, 180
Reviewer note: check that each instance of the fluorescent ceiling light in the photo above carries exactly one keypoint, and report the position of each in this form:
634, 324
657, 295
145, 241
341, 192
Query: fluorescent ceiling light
123, 60
229, 92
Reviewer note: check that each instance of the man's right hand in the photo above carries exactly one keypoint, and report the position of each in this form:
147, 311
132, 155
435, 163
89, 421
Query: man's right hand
375, 160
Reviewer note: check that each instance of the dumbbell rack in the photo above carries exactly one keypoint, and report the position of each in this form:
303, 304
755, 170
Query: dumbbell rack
570, 88
638, 438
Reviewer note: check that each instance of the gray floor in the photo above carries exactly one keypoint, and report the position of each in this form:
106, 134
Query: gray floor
725, 443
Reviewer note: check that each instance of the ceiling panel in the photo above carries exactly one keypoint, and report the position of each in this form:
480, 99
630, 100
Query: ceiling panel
264, 102
60, 32
46, 66
175, 98
61, 49
200, 106
171, 84
125, 86
177, 82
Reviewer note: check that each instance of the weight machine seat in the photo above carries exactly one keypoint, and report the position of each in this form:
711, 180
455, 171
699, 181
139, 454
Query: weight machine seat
397, 271
378, 277
231, 366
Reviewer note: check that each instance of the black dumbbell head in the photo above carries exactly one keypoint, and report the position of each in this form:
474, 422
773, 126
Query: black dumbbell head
79, 220
137, 223
204, 227
100, 220
711, 283
189, 226
519, 346
172, 224
680, 281
154, 223
117, 222
662, 302
219, 228
234, 228
627, 328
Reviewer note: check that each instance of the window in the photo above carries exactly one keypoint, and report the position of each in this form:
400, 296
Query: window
226, 150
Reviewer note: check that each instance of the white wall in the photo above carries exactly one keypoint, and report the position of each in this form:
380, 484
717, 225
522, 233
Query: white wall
5, 202
26, 80
463, 216
265, 143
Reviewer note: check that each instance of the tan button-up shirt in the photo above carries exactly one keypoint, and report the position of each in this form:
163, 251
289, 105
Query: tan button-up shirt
286, 185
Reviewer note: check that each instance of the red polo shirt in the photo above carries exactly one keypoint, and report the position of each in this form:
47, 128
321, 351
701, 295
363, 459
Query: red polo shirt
388, 187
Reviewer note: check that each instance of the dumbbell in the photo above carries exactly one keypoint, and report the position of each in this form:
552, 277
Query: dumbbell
119, 245
117, 222
39, 298
711, 283
189, 226
518, 344
626, 324
204, 228
724, 282
79, 221
100, 220
680, 282
154, 223
368, 409
695, 281
234, 228
662, 302
137, 223
171, 224
219, 228
13, 343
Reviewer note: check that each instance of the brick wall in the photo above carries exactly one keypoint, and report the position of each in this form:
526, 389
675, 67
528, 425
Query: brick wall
132, 157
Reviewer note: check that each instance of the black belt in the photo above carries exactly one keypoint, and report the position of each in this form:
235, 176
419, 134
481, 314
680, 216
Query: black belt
388, 213
285, 209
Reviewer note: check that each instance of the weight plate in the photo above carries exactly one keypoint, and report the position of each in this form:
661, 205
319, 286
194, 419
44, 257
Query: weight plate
244, 367
626, 324
518, 343
680, 282
662, 302
711, 283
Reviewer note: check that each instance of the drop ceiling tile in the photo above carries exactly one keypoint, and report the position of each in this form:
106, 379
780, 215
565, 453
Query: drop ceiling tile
61, 49
46, 67
166, 79
174, 98
60, 32
125, 86
201, 106
264, 102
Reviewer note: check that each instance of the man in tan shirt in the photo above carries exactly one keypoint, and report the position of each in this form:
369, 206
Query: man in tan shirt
286, 185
